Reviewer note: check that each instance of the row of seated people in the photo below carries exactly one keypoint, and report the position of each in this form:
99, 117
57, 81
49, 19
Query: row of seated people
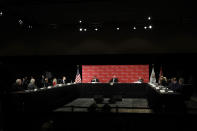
25, 84
172, 83
115, 79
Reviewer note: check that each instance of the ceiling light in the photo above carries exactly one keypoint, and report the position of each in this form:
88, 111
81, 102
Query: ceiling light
80, 21
149, 18
150, 27
80, 29
1, 13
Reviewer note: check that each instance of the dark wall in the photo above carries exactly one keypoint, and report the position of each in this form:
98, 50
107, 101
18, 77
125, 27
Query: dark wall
73, 42
174, 28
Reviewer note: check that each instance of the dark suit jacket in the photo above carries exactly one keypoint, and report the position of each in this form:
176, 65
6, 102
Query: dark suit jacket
114, 80
175, 87
32, 86
95, 80
62, 82
16, 87
46, 84
25, 84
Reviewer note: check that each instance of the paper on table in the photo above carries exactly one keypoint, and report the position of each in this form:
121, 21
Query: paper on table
162, 91
153, 85
157, 88
95, 82
111, 83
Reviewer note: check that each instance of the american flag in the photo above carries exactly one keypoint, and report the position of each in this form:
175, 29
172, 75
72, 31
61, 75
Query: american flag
78, 77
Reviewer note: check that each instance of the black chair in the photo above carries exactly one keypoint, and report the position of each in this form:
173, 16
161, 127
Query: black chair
187, 91
98, 98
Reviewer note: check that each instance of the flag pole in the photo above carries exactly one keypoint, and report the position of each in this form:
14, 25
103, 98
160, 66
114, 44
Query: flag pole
78, 76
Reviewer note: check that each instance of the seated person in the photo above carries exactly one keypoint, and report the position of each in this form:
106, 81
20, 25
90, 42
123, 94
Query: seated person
54, 82
42, 81
63, 80
179, 86
181, 81
17, 86
163, 81
114, 79
94, 79
25, 82
160, 80
140, 80
46, 82
31, 85
174, 85
171, 82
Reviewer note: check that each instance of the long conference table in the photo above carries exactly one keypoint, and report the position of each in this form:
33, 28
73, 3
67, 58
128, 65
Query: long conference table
47, 99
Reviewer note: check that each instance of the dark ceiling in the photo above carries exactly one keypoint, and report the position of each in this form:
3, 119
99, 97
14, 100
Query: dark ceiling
69, 11
174, 26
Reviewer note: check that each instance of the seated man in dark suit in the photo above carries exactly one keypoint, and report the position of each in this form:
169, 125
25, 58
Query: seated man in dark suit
174, 85
63, 80
179, 86
42, 81
114, 79
25, 83
17, 86
163, 81
171, 83
46, 82
140, 80
94, 79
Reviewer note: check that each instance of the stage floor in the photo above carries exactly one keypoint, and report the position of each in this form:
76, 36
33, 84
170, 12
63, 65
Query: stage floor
127, 105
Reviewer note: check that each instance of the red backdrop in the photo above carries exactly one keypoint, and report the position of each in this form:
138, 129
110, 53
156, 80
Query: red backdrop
125, 73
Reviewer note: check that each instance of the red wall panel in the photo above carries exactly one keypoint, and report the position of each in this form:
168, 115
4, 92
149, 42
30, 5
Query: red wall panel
125, 73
